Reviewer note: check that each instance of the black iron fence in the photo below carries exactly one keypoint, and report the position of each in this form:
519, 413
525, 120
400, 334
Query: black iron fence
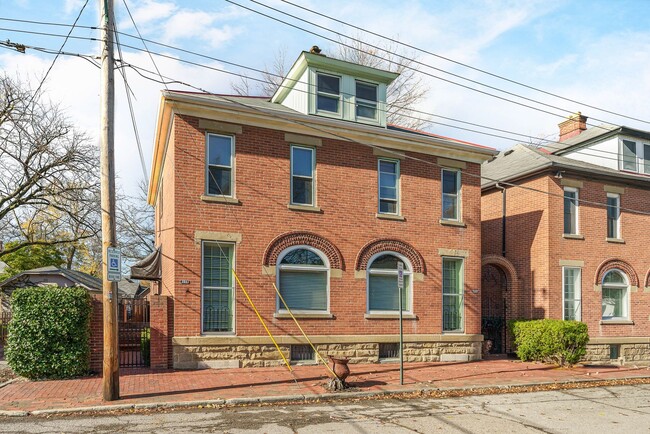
134, 333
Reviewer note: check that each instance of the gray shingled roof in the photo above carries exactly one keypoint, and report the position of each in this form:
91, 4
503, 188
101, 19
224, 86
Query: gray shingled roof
523, 160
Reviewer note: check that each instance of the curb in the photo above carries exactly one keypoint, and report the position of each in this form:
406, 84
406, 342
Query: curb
235, 402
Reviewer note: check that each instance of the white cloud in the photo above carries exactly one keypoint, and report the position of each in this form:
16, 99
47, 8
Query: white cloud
71, 6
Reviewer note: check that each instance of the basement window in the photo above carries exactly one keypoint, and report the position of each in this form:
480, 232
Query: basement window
388, 351
614, 352
302, 353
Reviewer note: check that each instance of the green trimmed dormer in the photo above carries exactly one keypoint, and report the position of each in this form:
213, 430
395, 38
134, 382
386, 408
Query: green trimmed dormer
323, 86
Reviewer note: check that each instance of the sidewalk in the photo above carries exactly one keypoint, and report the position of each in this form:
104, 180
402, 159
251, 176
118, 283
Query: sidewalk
149, 387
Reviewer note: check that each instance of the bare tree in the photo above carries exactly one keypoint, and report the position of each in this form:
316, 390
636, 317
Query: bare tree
135, 225
49, 173
403, 95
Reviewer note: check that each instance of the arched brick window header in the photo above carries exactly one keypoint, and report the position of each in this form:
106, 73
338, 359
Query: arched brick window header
291, 239
647, 279
619, 264
397, 246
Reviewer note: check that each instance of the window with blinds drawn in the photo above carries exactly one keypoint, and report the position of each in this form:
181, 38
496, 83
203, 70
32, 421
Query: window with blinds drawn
383, 294
217, 287
303, 280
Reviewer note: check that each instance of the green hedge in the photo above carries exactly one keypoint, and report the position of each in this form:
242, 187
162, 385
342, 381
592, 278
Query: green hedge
49, 332
550, 340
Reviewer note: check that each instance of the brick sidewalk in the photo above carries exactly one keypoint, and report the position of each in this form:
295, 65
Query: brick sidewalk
143, 386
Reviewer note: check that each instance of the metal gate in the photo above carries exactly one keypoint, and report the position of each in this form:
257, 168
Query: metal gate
5, 317
493, 308
134, 333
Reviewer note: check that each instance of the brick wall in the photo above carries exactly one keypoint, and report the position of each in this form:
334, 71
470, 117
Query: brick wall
535, 247
347, 195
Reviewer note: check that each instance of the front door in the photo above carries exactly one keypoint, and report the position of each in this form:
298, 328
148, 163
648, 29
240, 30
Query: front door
493, 309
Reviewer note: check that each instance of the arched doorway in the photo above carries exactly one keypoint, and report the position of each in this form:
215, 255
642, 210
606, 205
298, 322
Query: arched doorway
494, 306
499, 287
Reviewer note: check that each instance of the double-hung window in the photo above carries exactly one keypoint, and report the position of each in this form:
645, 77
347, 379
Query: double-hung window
383, 293
219, 173
450, 194
217, 287
303, 163
613, 215
629, 160
570, 210
328, 98
303, 280
388, 186
366, 96
571, 293
452, 295
615, 296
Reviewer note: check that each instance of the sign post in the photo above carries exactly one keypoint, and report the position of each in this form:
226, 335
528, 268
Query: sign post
400, 290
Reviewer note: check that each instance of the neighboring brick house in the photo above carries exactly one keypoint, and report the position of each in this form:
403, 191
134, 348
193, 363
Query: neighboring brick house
312, 191
576, 236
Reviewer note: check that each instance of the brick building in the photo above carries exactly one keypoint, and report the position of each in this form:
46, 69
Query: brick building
312, 191
572, 243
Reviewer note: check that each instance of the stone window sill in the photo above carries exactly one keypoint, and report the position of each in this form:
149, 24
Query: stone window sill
616, 322
285, 315
389, 316
615, 240
220, 199
390, 217
307, 208
573, 237
452, 223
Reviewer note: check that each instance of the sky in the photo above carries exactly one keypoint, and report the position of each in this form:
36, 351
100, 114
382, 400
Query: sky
596, 54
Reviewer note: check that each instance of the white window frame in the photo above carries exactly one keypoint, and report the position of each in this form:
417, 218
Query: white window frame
313, 175
208, 165
577, 290
459, 209
637, 155
618, 214
360, 101
279, 306
317, 92
626, 300
408, 271
398, 208
232, 288
462, 294
577, 208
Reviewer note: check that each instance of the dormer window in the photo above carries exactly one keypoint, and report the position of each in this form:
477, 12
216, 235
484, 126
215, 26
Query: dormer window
635, 156
329, 93
366, 94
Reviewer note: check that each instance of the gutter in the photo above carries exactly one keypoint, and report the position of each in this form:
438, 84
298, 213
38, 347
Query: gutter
503, 219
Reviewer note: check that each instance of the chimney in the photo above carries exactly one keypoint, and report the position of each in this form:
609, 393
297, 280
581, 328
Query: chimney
573, 126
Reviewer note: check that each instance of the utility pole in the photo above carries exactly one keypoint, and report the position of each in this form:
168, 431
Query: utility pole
111, 371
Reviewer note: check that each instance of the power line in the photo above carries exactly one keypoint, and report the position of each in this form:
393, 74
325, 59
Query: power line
500, 77
411, 60
348, 102
130, 103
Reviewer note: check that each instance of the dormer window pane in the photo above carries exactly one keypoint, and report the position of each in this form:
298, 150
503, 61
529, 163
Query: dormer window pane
646, 159
366, 100
328, 93
629, 156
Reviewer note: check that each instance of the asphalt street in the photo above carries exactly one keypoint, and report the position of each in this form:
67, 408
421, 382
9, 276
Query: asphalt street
598, 410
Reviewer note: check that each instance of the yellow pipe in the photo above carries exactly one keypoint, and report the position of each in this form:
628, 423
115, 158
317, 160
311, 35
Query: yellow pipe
286, 362
302, 331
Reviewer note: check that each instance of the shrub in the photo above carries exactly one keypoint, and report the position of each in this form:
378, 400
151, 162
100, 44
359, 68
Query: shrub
49, 332
145, 345
550, 340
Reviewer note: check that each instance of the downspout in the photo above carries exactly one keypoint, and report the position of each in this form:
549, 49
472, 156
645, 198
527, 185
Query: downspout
503, 219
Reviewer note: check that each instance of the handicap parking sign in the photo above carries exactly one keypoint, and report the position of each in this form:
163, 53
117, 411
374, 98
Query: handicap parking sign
114, 264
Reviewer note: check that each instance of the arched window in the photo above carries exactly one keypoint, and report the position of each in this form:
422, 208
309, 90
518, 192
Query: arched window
303, 280
615, 295
382, 283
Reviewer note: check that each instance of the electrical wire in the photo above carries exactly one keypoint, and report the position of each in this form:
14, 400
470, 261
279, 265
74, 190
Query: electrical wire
500, 77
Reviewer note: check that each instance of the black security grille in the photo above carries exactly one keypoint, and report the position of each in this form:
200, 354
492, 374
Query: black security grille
302, 353
389, 351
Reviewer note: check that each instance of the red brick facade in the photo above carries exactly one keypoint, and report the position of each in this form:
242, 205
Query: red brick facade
536, 246
346, 230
